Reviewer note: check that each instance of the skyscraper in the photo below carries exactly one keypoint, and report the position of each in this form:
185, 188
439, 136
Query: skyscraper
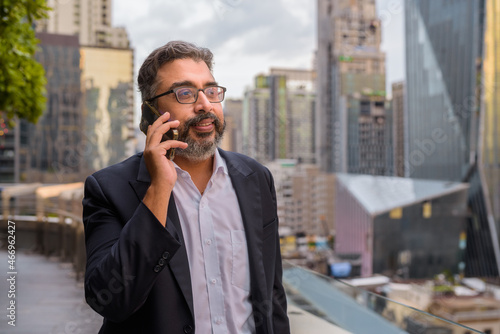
349, 63
398, 129
452, 111
263, 109
49, 151
89, 19
305, 197
107, 78
278, 116
233, 138
300, 105
369, 135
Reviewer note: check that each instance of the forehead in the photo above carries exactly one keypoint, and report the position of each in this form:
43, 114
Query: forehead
190, 71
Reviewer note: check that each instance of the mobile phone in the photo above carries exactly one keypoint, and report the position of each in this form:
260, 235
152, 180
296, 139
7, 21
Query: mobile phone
151, 114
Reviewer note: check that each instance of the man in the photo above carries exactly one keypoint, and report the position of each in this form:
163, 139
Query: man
189, 245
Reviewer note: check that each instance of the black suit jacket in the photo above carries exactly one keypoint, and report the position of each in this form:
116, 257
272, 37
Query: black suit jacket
137, 274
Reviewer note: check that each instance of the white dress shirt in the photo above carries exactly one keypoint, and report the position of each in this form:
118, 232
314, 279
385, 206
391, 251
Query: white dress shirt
217, 252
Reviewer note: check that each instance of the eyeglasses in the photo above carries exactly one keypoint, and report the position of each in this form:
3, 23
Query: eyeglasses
188, 95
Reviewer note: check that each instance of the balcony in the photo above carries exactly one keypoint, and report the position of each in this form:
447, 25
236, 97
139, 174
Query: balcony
320, 304
317, 304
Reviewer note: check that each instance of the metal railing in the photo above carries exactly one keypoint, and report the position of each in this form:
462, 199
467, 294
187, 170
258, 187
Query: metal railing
52, 225
50, 236
359, 311
47, 220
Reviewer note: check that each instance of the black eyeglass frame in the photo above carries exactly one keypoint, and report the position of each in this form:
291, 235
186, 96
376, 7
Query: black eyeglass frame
174, 90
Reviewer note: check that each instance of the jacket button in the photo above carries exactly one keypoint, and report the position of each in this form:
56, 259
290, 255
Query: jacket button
188, 329
165, 255
161, 262
157, 268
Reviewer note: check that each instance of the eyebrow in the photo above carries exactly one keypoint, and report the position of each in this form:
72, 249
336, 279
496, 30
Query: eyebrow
190, 84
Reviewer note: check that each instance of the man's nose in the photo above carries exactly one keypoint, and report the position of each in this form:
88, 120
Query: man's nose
203, 104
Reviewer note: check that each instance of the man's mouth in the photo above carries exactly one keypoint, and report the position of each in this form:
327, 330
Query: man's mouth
204, 125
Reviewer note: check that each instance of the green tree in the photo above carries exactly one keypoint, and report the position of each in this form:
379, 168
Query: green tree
22, 78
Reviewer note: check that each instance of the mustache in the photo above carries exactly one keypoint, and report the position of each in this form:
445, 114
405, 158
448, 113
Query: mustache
201, 117
184, 128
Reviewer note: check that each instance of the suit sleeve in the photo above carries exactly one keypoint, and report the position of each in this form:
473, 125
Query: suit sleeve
124, 258
280, 319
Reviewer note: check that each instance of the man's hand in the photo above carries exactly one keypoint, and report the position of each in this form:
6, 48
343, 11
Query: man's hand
161, 170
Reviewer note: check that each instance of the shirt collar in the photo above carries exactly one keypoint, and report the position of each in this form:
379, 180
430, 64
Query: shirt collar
219, 165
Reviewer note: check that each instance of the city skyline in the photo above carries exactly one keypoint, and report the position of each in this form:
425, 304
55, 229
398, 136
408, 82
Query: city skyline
251, 37
415, 200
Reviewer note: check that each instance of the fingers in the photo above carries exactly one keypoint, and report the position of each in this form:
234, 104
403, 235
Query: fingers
166, 145
159, 128
155, 134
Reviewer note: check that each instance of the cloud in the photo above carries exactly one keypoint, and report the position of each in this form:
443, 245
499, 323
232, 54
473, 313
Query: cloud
247, 37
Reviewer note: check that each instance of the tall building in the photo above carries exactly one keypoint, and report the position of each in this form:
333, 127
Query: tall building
369, 135
489, 139
52, 152
263, 109
90, 20
398, 130
233, 113
278, 116
305, 197
106, 78
349, 62
452, 111
9, 161
49, 151
301, 103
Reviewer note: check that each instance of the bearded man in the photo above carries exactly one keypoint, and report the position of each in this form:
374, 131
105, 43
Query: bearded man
190, 244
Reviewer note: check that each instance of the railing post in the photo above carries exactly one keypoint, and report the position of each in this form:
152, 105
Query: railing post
40, 228
61, 231
80, 256
6, 204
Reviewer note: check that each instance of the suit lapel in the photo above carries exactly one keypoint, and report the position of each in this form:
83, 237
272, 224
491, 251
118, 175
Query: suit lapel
179, 264
141, 184
247, 188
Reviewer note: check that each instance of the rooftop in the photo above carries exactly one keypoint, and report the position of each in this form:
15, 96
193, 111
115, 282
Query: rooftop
380, 194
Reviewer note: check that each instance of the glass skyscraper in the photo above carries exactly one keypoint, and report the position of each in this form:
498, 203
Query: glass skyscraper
451, 111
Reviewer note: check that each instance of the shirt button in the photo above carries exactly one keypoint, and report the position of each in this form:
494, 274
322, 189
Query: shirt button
218, 321
213, 281
208, 242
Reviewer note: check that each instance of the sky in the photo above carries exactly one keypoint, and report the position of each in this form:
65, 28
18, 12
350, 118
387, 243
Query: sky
247, 37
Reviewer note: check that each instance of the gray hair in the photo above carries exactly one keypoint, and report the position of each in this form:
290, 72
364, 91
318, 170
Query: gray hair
147, 78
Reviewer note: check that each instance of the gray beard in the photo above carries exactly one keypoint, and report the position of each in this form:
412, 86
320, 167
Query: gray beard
201, 148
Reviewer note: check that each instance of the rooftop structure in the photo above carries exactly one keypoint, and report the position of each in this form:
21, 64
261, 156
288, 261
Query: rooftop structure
402, 226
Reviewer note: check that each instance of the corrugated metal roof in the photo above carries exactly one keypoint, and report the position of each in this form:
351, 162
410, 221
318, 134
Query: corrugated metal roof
380, 194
